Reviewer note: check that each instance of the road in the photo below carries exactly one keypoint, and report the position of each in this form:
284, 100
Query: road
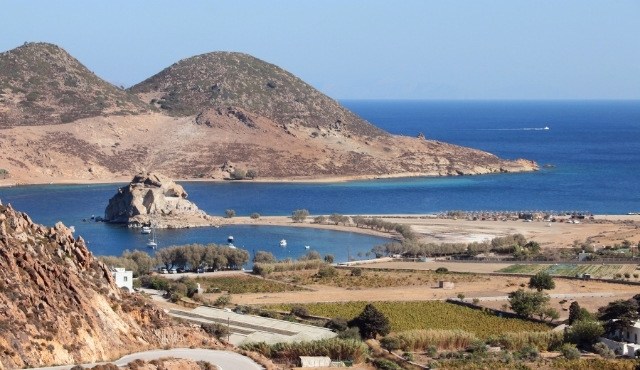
225, 360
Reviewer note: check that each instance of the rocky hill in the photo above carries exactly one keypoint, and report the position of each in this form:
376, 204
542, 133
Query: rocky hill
59, 305
213, 116
221, 80
42, 84
152, 199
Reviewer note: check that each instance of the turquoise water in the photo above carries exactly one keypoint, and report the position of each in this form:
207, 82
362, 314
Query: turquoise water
593, 147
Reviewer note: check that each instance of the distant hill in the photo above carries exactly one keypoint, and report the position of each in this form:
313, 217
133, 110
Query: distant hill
214, 116
42, 84
224, 79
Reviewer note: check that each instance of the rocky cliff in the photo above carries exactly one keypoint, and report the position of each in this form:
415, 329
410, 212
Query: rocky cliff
59, 305
153, 199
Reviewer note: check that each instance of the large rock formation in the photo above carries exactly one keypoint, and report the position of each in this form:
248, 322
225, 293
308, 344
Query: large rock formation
153, 199
59, 305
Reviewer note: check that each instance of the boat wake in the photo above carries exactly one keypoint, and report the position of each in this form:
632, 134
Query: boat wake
546, 128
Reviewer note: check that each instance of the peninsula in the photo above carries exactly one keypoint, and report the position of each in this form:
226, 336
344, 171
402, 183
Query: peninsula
215, 116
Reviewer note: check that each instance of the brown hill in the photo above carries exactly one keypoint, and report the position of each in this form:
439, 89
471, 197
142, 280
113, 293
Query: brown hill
42, 84
59, 305
223, 80
219, 115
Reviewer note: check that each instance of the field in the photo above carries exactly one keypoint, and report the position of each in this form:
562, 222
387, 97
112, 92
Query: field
239, 284
373, 278
426, 315
564, 269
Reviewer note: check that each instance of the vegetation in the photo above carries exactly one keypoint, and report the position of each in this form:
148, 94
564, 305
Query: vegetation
254, 216
299, 215
217, 330
421, 340
264, 257
529, 304
241, 285
264, 269
229, 213
577, 313
3, 173
371, 322
541, 281
194, 256
620, 314
337, 349
568, 269
540, 340
585, 333
426, 315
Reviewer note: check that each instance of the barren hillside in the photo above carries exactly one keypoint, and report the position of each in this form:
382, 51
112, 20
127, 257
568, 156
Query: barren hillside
211, 116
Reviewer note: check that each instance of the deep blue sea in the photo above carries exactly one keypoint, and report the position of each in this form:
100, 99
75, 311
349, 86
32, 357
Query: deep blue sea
593, 148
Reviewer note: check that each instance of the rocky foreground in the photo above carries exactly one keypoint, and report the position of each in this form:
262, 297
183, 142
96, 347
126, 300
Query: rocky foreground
59, 305
214, 116
152, 199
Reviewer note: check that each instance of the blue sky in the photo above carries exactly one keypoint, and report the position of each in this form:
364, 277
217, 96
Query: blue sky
499, 49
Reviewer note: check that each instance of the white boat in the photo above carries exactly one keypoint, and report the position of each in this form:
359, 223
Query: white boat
283, 243
145, 230
546, 128
152, 243
230, 239
306, 247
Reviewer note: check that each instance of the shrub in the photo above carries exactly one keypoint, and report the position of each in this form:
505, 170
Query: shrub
262, 269
329, 258
528, 353
299, 215
238, 174
442, 270
420, 340
603, 350
319, 219
371, 322
223, 300
541, 281
252, 174
255, 216
327, 271
542, 340
219, 331
585, 333
337, 349
384, 364
350, 333
356, 271
570, 352
337, 324
229, 213
299, 311
390, 343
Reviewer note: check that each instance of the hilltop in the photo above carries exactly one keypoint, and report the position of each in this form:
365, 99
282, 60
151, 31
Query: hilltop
42, 84
60, 305
214, 116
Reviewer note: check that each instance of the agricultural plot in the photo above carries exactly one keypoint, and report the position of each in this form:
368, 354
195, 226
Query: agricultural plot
426, 315
242, 284
568, 269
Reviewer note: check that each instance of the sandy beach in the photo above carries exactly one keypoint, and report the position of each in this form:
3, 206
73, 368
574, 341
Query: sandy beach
603, 230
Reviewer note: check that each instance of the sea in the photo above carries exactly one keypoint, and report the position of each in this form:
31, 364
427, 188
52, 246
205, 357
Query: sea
589, 157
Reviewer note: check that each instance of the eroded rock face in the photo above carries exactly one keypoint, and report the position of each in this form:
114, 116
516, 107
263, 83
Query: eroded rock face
59, 304
154, 199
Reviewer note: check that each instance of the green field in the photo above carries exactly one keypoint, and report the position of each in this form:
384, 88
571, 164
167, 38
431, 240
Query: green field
568, 269
426, 315
242, 284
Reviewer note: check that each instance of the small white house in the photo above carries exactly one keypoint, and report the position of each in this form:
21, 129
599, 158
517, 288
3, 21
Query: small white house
625, 342
123, 278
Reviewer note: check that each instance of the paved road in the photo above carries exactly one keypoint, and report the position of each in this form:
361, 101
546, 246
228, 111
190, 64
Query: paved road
225, 360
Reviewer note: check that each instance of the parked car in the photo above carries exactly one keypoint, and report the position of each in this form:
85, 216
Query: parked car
200, 270
164, 271
173, 271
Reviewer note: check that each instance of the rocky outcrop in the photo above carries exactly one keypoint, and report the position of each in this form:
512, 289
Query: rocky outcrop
59, 305
153, 199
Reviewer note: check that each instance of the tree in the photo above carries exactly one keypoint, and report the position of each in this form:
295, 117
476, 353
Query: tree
299, 215
311, 255
252, 174
319, 219
371, 322
577, 313
264, 257
238, 174
526, 303
255, 216
541, 280
585, 333
229, 213
336, 218
329, 258
619, 314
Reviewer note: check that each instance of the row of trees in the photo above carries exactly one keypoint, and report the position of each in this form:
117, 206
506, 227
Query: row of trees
410, 247
187, 257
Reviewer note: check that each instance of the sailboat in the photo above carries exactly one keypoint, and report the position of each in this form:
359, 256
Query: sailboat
152, 243
145, 230
283, 243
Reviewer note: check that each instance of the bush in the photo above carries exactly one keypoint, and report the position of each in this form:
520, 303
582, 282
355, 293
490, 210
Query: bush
300, 311
252, 174
229, 213
541, 281
384, 364
223, 300
442, 270
391, 343
570, 352
238, 174
585, 333
542, 340
337, 324
356, 271
219, 331
337, 349
420, 340
350, 333
528, 353
319, 219
603, 350
327, 271
371, 322
255, 216
299, 215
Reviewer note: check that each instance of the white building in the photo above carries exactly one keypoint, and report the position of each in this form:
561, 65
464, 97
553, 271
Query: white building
625, 342
123, 278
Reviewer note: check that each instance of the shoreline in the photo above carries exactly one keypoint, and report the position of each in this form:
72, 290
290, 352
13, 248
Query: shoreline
266, 180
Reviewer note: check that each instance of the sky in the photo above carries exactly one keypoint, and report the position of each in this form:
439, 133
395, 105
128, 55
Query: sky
359, 49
